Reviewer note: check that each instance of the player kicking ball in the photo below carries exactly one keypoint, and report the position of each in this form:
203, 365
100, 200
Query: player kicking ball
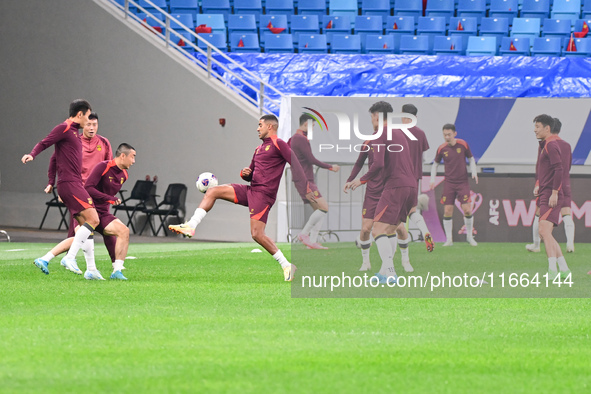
264, 175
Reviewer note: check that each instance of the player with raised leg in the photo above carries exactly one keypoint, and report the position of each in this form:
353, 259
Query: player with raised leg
454, 153
264, 175
68, 151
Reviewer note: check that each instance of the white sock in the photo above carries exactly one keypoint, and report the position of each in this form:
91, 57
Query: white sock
418, 220
562, 263
469, 222
48, 256
81, 235
535, 231
569, 229
403, 243
365, 247
552, 264
88, 249
314, 232
281, 259
386, 254
317, 217
117, 265
448, 225
197, 217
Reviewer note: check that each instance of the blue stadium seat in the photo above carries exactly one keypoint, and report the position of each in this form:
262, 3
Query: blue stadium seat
254, 7
338, 24
566, 9
216, 7
535, 9
526, 27
586, 13
312, 43
184, 19
247, 42
556, 28
520, 45
504, 9
475, 8
269, 22
148, 7
376, 7
431, 26
153, 20
377, 43
445, 8
184, 40
215, 21
279, 7
547, 46
579, 26
278, 43
312, 7
184, 7
346, 43
244, 23
469, 24
365, 24
343, 7
304, 24
444, 45
408, 8
414, 45
400, 24
494, 27
481, 46
582, 45
216, 39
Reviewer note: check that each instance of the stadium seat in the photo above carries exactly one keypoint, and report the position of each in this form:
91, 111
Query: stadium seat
216, 7
444, 45
304, 24
586, 13
444, 8
279, 7
494, 27
504, 9
312, 7
185, 20
243, 23
535, 9
343, 7
184, 7
254, 7
173, 204
332, 24
278, 43
412, 8
431, 26
56, 203
215, 21
547, 46
346, 43
566, 9
465, 26
150, 8
141, 194
366, 24
481, 46
414, 45
376, 8
580, 27
582, 48
216, 39
273, 24
376, 43
526, 27
312, 43
556, 28
153, 20
184, 40
400, 24
476, 8
247, 42
513, 46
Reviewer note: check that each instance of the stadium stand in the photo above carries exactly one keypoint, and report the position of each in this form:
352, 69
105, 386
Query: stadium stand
513, 46
278, 43
481, 46
547, 46
346, 43
448, 45
414, 45
312, 43
216, 39
376, 43
556, 28
216, 7
504, 9
304, 24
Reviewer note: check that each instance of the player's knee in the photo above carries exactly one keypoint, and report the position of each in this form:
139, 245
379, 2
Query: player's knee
365, 233
123, 232
257, 235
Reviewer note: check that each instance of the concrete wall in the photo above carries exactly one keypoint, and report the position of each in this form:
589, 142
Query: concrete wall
56, 51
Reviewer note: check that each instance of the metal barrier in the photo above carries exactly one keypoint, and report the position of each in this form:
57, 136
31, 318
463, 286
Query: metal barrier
260, 88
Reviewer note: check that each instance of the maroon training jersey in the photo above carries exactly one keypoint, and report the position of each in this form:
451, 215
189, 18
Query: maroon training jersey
567, 160
416, 150
374, 185
454, 159
267, 167
549, 167
68, 151
103, 184
392, 159
300, 145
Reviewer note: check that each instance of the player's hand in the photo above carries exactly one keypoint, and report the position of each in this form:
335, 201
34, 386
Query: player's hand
347, 186
310, 197
117, 202
335, 168
27, 158
60, 199
246, 171
355, 184
431, 185
553, 199
536, 191
475, 177
48, 189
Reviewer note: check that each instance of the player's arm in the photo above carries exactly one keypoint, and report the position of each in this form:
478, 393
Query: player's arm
472, 162
379, 156
434, 166
51, 172
356, 169
108, 150
92, 183
303, 149
556, 168
297, 172
246, 172
57, 134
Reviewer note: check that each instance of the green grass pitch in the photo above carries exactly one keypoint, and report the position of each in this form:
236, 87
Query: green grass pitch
201, 318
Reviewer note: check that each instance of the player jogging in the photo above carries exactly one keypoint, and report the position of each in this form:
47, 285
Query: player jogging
264, 175
68, 151
454, 153
550, 196
300, 145
103, 184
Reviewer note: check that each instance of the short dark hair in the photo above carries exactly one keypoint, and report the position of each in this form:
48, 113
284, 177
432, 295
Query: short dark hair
410, 109
123, 148
93, 116
545, 120
449, 126
305, 117
557, 126
381, 106
269, 117
79, 105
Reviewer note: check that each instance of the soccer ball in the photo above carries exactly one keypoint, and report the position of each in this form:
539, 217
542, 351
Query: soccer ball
205, 181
